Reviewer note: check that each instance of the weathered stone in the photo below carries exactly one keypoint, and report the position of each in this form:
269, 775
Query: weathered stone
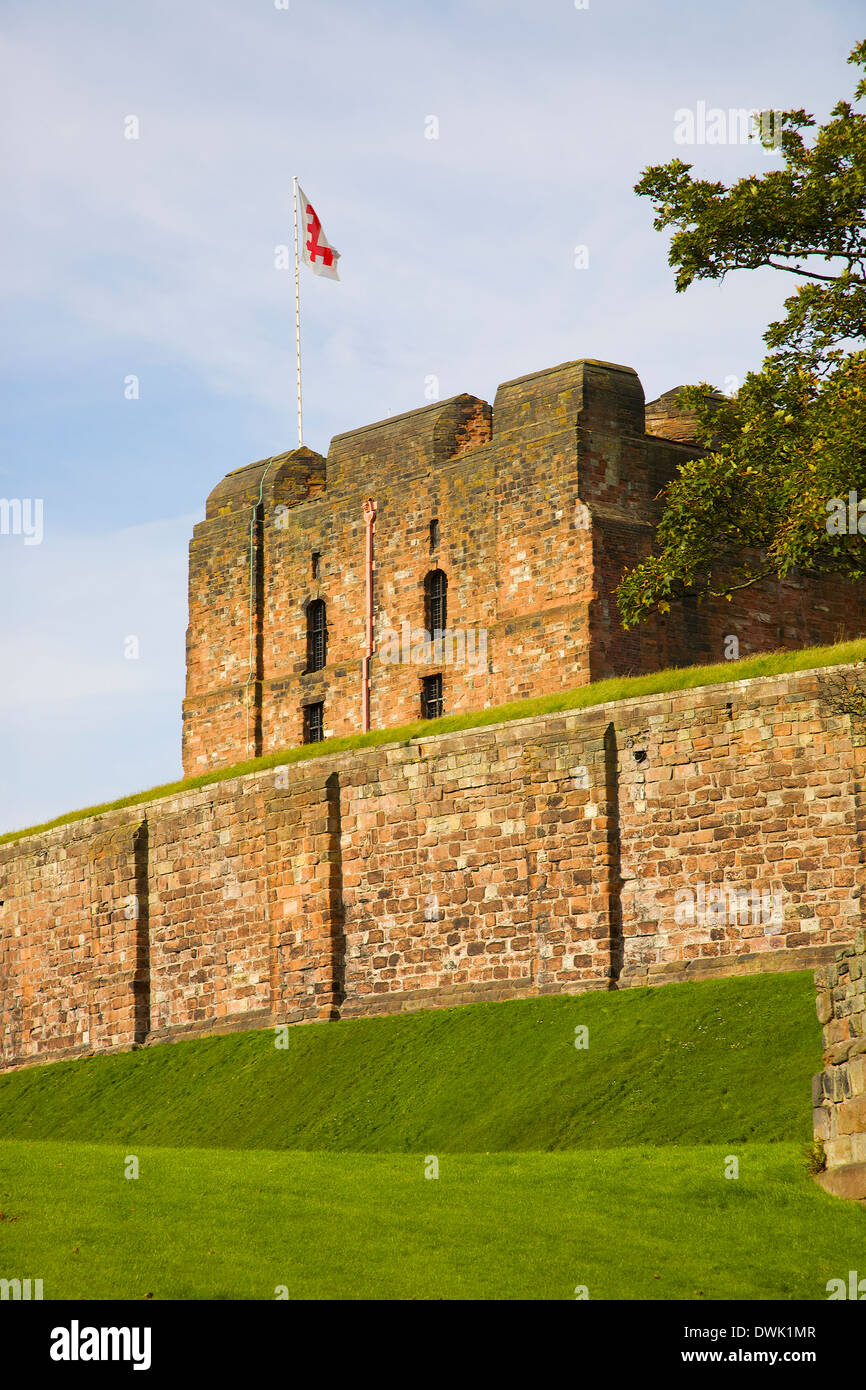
839, 1093
824, 1005
848, 1181
851, 1116
821, 1122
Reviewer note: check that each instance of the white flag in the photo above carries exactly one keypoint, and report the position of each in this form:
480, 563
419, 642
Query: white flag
316, 250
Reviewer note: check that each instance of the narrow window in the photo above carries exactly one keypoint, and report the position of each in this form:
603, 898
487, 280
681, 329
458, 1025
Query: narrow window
435, 593
315, 564
317, 636
314, 723
431, 697
434, 536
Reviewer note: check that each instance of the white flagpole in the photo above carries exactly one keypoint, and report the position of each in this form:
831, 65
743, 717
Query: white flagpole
298, 313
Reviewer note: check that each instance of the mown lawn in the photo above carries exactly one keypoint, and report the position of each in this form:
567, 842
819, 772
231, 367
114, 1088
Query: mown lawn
558, 1166
643, 1223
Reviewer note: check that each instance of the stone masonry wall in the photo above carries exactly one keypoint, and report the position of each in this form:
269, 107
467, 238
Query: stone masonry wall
741, 820
705, 831
839, 1091
74, 938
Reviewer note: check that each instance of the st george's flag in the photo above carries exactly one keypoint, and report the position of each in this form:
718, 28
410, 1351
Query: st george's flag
316, 251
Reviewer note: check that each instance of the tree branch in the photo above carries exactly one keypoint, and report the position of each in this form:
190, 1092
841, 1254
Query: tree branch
733, 588
797, 270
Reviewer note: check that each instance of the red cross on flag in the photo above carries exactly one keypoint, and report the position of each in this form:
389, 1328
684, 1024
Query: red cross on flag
316, 250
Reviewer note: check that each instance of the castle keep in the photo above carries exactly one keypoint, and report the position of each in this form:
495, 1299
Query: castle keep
313, 582
706, 831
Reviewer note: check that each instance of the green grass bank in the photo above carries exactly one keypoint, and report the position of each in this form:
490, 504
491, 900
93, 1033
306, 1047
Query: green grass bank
715, 1062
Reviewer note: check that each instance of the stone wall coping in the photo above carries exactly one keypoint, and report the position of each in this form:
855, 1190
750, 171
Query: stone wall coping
654, 703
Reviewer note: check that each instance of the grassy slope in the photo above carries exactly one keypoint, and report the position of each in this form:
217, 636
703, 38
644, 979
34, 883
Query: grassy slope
722, 1061
634, 1203
210, 1224
599, 693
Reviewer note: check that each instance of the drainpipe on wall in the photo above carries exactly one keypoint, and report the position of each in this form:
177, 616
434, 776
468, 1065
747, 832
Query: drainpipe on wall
370, 525
254, 522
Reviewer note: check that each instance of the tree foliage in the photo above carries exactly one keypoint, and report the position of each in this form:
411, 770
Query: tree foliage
790, 450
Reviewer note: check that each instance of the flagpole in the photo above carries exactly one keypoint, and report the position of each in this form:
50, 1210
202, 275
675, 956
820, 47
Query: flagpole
298, 312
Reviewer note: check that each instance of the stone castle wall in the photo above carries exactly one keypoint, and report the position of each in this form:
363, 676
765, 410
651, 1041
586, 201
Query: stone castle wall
673, 836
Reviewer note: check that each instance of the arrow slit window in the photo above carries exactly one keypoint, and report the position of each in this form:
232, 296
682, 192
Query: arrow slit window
317, 635
436, 602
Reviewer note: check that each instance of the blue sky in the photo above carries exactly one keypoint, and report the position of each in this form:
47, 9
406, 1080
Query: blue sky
155, 258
